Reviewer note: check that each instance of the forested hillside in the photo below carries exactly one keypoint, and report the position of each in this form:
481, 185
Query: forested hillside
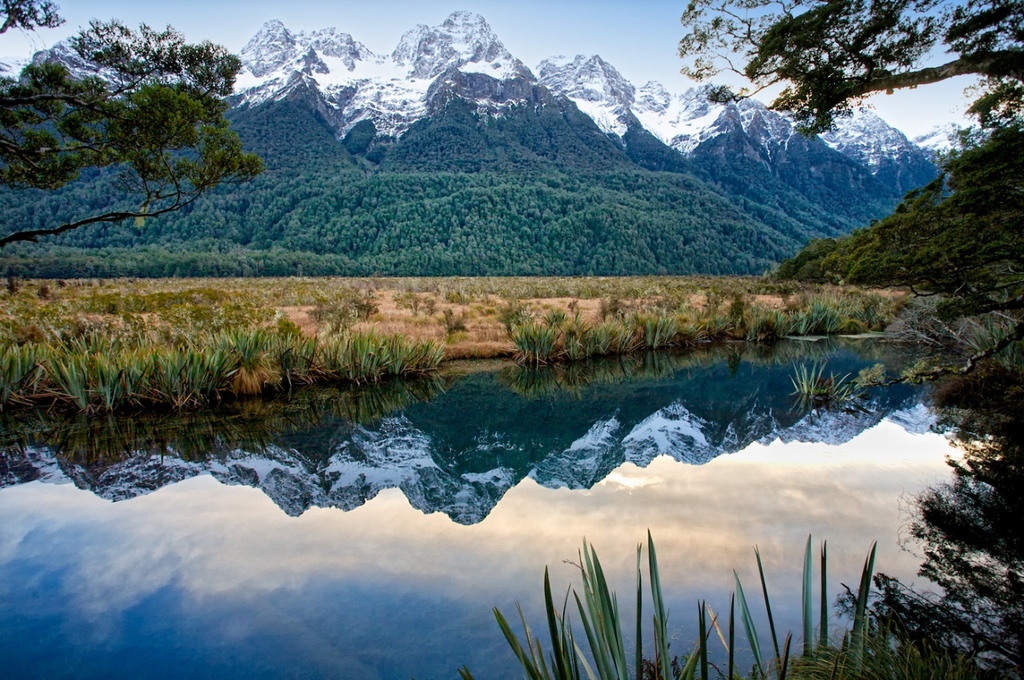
535, 189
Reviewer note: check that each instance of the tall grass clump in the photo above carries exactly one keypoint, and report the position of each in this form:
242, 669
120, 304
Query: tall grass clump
367, 357
870, 649
766, 325
20, 369
253, 369
536, 344
598, 610
815, 389
296, 357
187, 377
655, 331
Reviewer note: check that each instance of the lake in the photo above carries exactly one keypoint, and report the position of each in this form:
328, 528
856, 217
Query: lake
368, 534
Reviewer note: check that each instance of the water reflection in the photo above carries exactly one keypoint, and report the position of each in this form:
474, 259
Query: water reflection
195, 568
970, 529
456, 446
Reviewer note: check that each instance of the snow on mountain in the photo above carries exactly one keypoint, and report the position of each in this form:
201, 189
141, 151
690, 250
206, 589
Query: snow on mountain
915, 420
681, 121
938, 139
594, 85
347, 83
684, 121
11, 66
865, 137
587, 460
834, 428
464, 41
395, 453
673, 431
355, 84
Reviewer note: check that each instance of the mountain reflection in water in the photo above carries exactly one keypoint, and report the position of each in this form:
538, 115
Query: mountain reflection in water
123, 553
455, 447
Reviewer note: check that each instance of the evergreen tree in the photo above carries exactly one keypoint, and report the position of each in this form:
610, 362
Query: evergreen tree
151, 111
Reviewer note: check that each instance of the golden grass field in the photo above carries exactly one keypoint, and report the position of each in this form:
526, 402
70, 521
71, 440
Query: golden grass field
468, 315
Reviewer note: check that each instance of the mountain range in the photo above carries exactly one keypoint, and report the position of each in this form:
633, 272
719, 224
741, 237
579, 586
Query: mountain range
461, 453
451, 156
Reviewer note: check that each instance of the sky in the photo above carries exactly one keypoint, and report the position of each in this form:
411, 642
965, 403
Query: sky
638, 37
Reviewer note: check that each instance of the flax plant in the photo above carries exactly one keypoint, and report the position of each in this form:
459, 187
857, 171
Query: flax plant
253, 371
536, 344
20, 370
862, 653
814, 389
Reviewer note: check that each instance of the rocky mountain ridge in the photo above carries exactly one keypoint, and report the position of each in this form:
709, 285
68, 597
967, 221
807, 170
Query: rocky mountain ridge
448, 155
395, 90
395, 453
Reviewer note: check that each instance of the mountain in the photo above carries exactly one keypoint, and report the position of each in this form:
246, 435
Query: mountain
891, 157
10, 67
348, 83
939, 139
688, 122
450, 156
463, 465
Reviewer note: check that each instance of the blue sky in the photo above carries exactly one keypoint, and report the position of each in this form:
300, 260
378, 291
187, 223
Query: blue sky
638, 37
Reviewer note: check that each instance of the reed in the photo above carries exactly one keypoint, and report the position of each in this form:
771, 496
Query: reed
821, 317
871, 649
536, 344
815, 389
253, 370
598, 609
655, 331
555, 318
766, 325
296, 357
189, 378
356, 358
20, 370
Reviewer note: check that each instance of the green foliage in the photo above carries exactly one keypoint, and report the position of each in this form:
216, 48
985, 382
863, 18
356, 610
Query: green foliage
816, 390
598, 610
806, 264
876, 651
831, 54
28, 15
461, 193
98, 373
959, 236
155, 118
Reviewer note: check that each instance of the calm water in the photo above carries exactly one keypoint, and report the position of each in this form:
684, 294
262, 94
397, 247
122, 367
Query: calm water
368, 535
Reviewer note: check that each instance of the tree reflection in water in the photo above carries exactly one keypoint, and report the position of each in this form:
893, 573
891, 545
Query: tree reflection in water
971, 529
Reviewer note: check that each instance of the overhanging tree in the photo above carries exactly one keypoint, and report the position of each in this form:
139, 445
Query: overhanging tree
832, 54
143, 104
960, 237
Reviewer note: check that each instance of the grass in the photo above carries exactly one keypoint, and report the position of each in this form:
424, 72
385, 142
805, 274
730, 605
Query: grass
189, 342
816, 390
869, 649
95, 374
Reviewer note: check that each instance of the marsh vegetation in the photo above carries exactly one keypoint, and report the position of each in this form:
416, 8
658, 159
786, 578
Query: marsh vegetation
100, 346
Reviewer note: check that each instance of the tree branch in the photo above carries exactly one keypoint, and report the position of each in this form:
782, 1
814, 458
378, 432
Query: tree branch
986, 66
33, 235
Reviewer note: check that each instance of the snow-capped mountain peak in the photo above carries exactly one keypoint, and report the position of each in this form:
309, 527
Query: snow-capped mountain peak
866, 137
347, 83
271, 48
939, 139
590, 78
463, 40
596, 87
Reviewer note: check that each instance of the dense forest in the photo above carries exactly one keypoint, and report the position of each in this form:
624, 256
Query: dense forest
534, 189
